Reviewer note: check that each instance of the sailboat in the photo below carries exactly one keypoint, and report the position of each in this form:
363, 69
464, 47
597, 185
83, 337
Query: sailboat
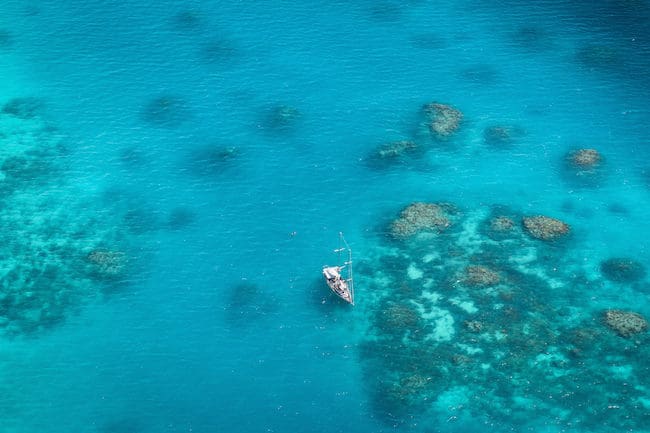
342, 286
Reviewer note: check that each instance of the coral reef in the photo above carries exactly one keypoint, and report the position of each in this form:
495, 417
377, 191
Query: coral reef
107, 263
525, 325
584, 167
24, 108
247, 303
394, 153
585, 158
501, 224
502, 136
473, 325
598, 56
51, 263
422, 217
428, 41
180, 217
220, 51
213, 159
281, 117
532, 38
480, 276
480, 74
187, 20
5, 39
625, 323
167, 111
442, 120
545, 228
398, 318
622, 270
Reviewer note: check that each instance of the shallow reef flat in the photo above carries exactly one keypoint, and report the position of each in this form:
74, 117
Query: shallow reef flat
58, 249
486, 314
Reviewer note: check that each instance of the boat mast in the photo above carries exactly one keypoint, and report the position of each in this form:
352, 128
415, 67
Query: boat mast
349, 265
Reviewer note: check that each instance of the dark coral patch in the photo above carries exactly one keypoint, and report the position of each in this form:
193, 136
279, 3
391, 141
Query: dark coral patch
622, 270
6, 40
428, 41
165, 111
280, 118
394, 153
220, 51
213, 160
599, 56
247, 303
24, 108
187, 20
180, 217
502, 136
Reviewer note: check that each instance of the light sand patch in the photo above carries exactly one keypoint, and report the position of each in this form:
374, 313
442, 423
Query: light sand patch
465, 305
413, 272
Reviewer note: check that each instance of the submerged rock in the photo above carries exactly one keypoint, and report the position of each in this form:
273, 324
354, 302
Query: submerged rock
545, 228
443, 120
622, 270
421, 217
625, 323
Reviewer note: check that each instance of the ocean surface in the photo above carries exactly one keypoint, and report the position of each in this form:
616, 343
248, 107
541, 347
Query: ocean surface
174, 175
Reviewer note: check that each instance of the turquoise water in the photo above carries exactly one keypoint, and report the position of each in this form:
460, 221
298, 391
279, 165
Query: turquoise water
179, 173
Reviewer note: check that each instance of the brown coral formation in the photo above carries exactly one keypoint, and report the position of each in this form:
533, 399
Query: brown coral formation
396, 149
625, 323
473, 326
585, 158
421, 217
107, 263
399, 318
281, 117
443, 120
501, 224
480, 276
622, 270
545, 228
502, 135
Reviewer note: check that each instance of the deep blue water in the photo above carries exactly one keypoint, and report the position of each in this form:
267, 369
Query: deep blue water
221, 211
